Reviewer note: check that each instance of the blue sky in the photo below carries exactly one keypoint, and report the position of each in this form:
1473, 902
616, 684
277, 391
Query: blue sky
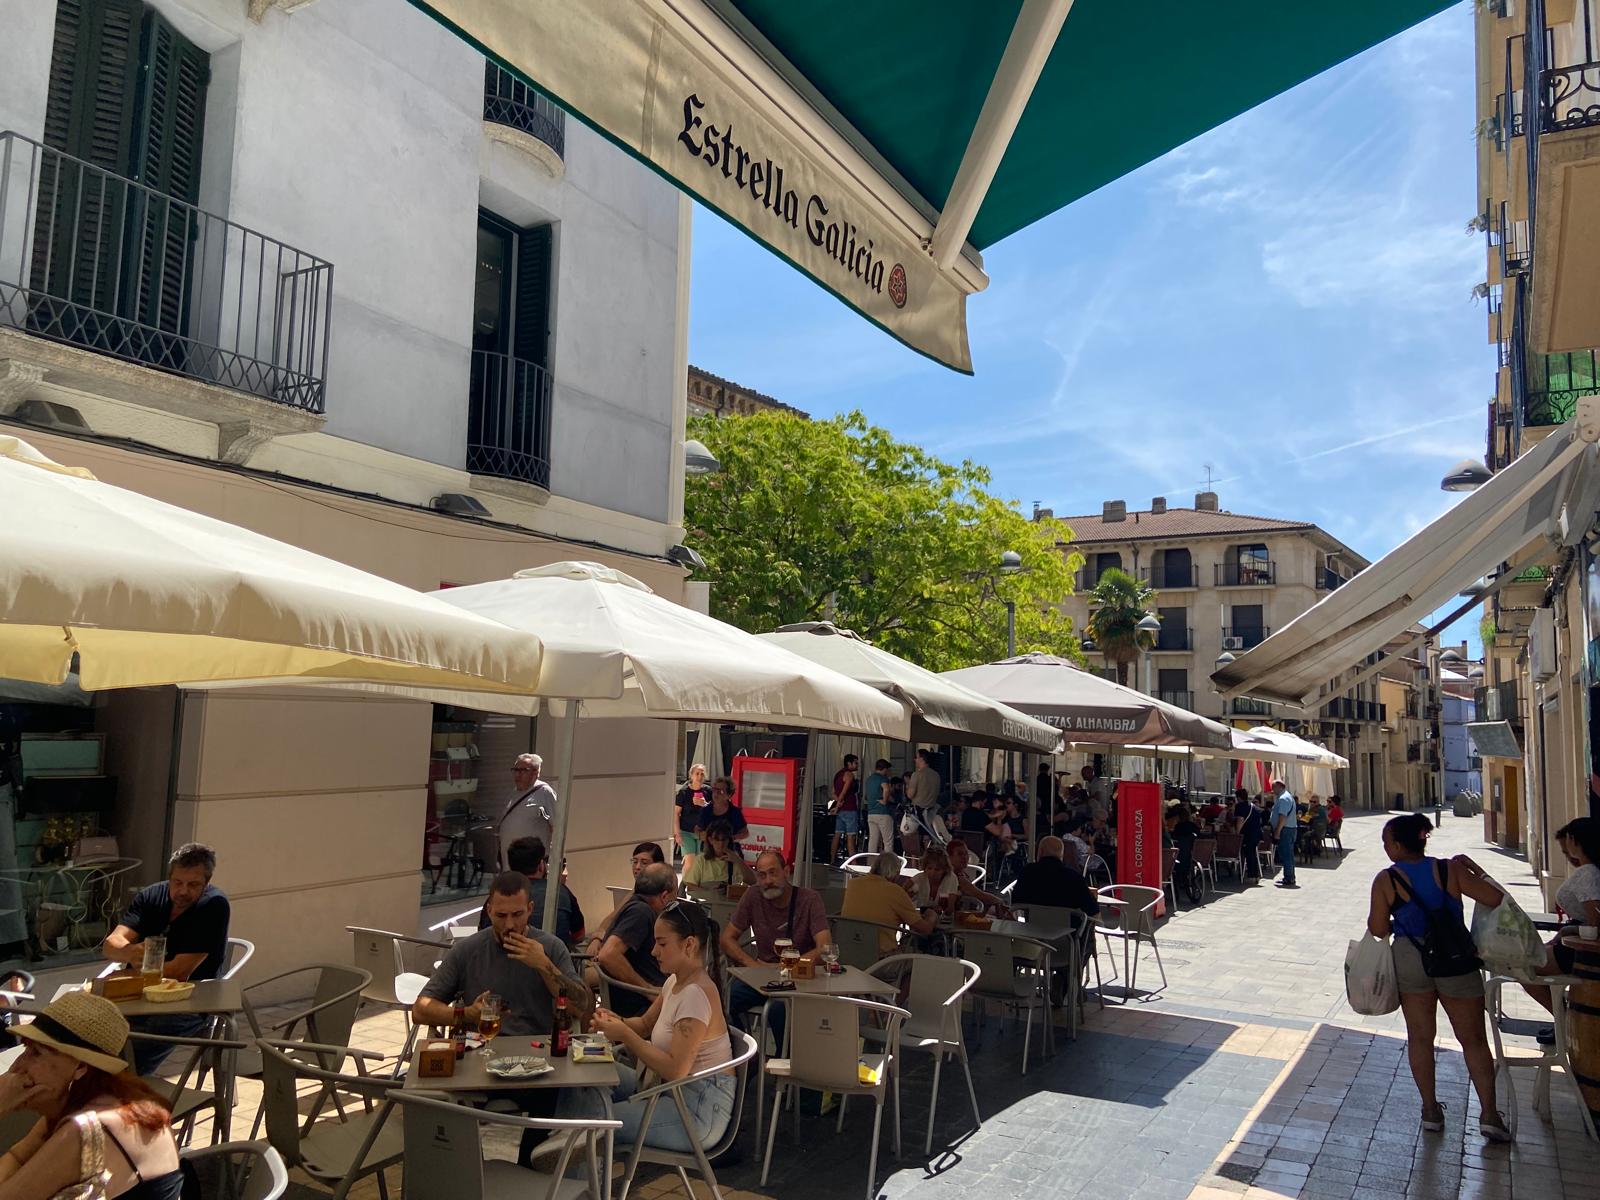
1287, 298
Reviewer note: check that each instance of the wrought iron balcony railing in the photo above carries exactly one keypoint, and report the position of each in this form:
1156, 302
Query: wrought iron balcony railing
1498, 702
1247, 706
1248, 573
1181, 699
509, 101
1174, 637
1243, 637
1555, 383
508, 419
1509, 236
1172, 577
1328, 579
106, 264
1569, 97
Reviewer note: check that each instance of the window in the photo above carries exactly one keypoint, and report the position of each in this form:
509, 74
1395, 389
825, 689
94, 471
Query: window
469, 790
1172, 569
127, 95
1173, 685
1252, 563
508, 414
1174, 633
1105, 561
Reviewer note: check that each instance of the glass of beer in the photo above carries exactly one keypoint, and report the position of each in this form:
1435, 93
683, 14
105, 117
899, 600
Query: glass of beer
155, 955
490, 1014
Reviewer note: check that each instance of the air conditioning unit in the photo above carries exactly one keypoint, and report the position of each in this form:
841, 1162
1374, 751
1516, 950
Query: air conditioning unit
1542, 663
1233, 643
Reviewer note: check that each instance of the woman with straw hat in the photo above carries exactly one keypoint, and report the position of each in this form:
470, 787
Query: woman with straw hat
98, 1124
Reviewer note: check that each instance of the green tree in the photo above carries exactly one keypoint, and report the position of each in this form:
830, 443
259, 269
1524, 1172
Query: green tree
1116, 606
836, 520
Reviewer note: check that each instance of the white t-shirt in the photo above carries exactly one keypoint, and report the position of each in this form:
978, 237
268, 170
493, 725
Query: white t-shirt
1582, 886
689, 1003
919, 889
533, 815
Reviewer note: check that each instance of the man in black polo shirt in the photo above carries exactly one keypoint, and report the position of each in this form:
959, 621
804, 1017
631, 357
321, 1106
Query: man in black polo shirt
627, 953
192, 915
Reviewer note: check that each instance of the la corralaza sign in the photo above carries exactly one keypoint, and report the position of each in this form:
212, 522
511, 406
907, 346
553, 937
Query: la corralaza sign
763, 179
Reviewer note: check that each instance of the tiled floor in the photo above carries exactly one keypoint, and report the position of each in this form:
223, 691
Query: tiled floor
1248, 1077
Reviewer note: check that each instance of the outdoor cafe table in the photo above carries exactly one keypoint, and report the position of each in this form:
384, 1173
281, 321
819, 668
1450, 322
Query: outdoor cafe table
472, 1075
850, 981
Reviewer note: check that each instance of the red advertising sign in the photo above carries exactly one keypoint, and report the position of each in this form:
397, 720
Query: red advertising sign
1139, 834
764, 788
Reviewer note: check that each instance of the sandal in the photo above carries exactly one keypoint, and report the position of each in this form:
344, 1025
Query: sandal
1495, 1131
1434, 1124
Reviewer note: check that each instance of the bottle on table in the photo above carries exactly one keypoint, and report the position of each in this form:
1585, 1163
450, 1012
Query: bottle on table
561, 1040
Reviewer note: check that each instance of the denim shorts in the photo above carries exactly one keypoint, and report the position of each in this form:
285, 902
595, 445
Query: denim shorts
847, 821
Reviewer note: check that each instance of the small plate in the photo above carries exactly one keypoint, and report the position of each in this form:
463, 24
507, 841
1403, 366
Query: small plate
517, 1066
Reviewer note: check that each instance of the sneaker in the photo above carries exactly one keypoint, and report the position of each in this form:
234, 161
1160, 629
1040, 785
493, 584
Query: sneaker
1284, 884
1546, 1036
1435, 1123
1495, 1130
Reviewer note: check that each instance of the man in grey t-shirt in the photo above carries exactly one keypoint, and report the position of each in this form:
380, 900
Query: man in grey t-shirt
922, 792
525, 966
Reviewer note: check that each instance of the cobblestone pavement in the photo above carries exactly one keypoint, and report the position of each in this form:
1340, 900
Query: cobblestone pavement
1247, 1077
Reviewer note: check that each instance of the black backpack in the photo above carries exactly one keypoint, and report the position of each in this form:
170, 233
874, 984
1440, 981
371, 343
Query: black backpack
1446, 947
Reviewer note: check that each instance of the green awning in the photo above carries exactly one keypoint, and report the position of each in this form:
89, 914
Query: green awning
841, 133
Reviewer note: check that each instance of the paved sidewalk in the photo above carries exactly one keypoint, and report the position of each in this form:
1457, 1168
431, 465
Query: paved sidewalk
1248, 1077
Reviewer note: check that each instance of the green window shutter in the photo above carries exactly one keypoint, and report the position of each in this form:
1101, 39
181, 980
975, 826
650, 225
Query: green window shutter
168, 131
531, 337
89, 107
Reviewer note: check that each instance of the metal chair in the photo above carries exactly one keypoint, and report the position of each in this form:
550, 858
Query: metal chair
860, 942
239, 951
1016, 971
1205, 861
619, 894
185, 1103
1096, 866
383, 955
610, 985
824, 1038
239, 1171
699, 1157
483, 847
444, 1152
1230, 852
1333, 835
334, 1153
1137, 925
327, 1021
1070, 933
1557, 1055
1169, 881
1266, 856
832, 900
934, 997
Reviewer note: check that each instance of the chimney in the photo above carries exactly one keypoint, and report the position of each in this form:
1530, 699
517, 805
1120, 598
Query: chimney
1114, 510
1043, 514
1158, 505
1205, 502
1035, 510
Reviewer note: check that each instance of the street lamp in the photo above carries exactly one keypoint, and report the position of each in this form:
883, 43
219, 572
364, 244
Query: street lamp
1151, 624
697, 460
1468, 475
1011, 564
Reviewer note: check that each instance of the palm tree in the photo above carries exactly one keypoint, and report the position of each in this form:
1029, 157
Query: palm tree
1116, 606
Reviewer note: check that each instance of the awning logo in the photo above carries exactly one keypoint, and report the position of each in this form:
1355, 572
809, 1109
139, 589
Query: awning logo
897, 286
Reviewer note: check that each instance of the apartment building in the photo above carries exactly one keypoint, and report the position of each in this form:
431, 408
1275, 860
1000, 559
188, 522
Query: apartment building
713, 396
329, 275
1429, 700
1538, 74
1224, 581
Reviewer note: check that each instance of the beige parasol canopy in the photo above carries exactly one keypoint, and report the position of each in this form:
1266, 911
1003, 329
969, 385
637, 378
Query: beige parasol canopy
147, 593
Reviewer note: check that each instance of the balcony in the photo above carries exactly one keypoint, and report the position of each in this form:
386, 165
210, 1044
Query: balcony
1244, 637
1248, 706
509, 102
94, 261
1259, 572
1555, 382
1413, 752
1510, 238
1498, 702
1180, 699
1165, 578
508, 420
1346, 709
1569, 98
1174, 637
1328, 579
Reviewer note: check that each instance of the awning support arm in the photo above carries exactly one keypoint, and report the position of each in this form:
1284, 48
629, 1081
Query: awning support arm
1027, 51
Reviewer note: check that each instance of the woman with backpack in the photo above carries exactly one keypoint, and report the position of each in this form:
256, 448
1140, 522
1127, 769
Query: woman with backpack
1419, 900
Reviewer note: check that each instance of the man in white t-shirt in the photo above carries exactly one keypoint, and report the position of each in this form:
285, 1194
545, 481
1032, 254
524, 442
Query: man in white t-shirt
533, 812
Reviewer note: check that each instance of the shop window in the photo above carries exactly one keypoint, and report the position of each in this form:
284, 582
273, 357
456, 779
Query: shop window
469, 788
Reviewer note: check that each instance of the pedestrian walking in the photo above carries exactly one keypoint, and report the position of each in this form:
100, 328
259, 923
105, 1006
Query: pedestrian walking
846, 806
1285, 826
880, 813
1419, 901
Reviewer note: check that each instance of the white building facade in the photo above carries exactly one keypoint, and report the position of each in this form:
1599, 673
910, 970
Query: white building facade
328, 275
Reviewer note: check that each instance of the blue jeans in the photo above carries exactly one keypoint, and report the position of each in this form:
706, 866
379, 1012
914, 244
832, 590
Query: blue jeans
1286, 838
743, 998
148, 1056
710, 1104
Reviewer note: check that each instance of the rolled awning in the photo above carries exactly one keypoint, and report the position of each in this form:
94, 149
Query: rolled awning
1546, 498
878, 147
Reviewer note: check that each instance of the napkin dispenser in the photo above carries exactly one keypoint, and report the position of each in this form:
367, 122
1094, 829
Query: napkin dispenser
436, 1059
125, 985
